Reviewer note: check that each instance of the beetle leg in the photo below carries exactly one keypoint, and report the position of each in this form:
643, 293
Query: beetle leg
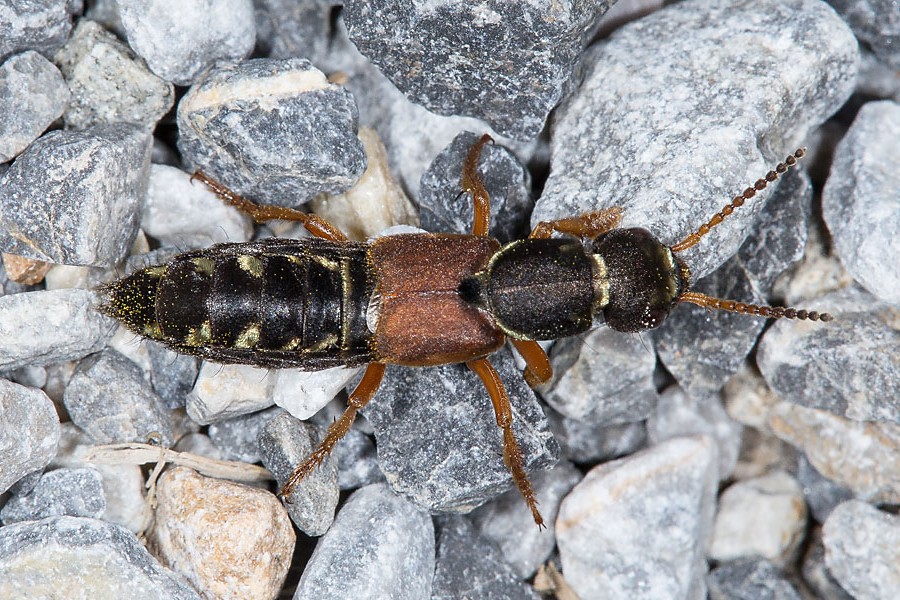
538, 369
261, 213
588, 225
512, 456
359, 398
472, 184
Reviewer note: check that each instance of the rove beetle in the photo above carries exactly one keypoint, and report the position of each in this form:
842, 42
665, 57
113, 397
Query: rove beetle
417, 299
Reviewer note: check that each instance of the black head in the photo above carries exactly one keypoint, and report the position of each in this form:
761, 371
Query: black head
644, 279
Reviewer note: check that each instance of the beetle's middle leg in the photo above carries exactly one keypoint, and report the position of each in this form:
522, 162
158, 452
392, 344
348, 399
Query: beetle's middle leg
359, 398
512, 456
261, 213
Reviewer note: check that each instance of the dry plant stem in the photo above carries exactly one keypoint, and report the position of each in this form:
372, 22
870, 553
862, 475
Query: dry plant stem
134, 453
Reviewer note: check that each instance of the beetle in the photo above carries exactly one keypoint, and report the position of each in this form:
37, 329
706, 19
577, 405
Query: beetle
418, 300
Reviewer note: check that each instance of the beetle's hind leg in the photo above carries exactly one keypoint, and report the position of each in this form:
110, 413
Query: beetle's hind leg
512, 456
538, 370
261, 213
358, 399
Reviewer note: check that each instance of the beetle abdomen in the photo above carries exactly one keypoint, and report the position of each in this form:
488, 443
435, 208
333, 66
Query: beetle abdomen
271, 303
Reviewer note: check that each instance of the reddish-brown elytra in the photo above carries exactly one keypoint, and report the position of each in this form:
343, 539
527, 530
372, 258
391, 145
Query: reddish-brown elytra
416, 299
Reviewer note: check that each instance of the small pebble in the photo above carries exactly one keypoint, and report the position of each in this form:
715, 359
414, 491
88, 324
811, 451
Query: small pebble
591, 443
32, 96
72, 196
109, 84
437, 436
641, 131
505, 63
654, 507
290, 28
442, 208
862, 550
457, 575
751, 579
236, 438
764, 516
81, 558
832, 365
504, 521
860, 203
223, 392
182, 40
72, 492
111, 401
285, 442
304, 393
44, 327
374, 203
877, 25
172, 375
25, 270
229, 540
822, 494
29, 432
864, 457
380, 546
275, 131
187, 215
357, 461
43, 26
816, 574
680, 414
603, 377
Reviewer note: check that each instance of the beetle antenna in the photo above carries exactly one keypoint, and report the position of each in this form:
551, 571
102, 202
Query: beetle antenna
770, 312
738, 201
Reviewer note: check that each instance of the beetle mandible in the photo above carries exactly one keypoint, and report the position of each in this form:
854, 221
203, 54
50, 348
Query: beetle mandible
417, 299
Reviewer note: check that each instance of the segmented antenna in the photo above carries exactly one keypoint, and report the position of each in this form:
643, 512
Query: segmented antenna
738, 201
770, 312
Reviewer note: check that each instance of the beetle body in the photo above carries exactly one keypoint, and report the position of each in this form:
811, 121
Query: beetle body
415, 299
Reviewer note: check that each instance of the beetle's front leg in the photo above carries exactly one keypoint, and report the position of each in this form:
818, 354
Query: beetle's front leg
588, 225
474, 186
261, 213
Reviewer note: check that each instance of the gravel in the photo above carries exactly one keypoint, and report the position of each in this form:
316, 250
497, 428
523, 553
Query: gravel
364, 113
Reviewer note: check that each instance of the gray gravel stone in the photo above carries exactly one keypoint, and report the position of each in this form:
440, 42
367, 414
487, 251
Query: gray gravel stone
72, 492
752, 579
27, 25
467, 566
821, 493
443, 208
29, 432
704, 348
507, 63
179, 41
816, 574
223, 392
357, 461
679, 414
32, 96
275, 131
172, 375
850, 366
44, 327
672, 130
188, 215
75, 557
286, 28
236, 438
109, 83
109, 398
876, 23
637, 527
74, 197
284, 442
506, 521
860, 202
603, 377
862, 550
380, 546
437, 437
591, 443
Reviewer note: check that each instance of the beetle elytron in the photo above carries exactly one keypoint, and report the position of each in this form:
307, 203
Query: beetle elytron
415, 299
